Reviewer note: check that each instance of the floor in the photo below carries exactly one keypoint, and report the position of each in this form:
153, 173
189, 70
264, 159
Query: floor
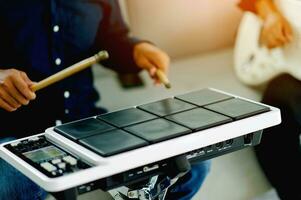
235, 176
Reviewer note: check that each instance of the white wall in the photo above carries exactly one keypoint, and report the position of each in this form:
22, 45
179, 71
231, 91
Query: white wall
184, 27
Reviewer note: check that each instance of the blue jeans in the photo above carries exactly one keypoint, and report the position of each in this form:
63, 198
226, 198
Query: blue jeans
15, 186
187, 186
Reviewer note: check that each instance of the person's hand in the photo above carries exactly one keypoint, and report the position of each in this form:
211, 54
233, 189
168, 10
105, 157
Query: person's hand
14, 89
151, 58
276, 31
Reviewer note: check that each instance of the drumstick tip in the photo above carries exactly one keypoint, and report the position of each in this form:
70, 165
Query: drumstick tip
102, 55
167, 85
163, 78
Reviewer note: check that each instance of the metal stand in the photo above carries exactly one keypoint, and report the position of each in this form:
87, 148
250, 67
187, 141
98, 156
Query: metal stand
157, 187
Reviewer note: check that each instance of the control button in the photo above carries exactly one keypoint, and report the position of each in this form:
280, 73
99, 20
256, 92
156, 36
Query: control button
14, 144
88, 188
20, 147
49, 167
66, 94
25, 142
69, 159
58, 61
60, 172
56, 161
34, 139
56, 28
66, 111
62, 166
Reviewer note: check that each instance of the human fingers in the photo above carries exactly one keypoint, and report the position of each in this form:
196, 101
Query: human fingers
10, 88
160, 60
5, 96
6, 106
22, 84
27, 80
148, 66
271, 38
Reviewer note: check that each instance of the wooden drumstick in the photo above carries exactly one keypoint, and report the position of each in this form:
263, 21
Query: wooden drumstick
163, 78
102, 55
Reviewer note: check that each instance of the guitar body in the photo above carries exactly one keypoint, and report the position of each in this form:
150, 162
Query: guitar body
255, 64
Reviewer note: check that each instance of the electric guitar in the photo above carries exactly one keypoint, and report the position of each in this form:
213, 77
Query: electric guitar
256, 64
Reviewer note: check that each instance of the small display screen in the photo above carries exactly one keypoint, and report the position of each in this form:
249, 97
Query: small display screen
44, 154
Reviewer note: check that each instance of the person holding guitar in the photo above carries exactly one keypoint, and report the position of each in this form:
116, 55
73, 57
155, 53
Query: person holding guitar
279, 153
276, 30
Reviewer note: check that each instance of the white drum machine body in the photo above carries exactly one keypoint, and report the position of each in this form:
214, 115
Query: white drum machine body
146, 156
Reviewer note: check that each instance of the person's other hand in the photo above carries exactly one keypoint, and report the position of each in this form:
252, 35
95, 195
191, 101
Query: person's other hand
151, 58
14, 89
276, 31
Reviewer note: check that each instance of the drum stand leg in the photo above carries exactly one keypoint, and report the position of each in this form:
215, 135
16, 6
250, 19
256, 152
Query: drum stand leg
157, 187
